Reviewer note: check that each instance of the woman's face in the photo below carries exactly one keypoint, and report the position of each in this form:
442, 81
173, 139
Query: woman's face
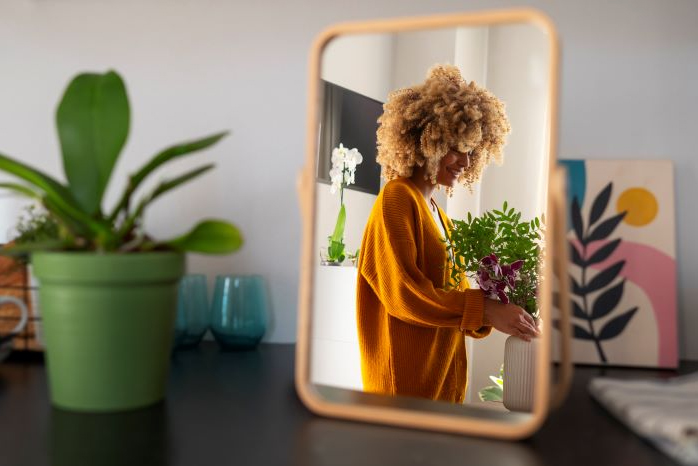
452, 165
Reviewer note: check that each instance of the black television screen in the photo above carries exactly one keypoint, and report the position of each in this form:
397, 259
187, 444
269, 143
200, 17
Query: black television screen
352, 119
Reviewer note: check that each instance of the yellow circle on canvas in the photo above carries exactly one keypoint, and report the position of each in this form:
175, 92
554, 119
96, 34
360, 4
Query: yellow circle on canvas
640, 204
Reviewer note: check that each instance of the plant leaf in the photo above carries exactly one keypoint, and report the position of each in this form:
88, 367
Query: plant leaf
159, 159
93, 122
209, 237
336, 251
161, 189
339, 226
21, 189
600, 203
174, 182
616, 326
577, 221
604, 252
605, 277
56, 197
35, 177
491, 393
605, 228
607, 301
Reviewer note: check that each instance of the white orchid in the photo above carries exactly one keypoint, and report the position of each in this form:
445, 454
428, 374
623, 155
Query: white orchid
353, 158
342, 174
339, 154
344, 162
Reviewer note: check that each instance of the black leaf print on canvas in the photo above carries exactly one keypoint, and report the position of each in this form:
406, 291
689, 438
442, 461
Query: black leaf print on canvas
600, 204
603, 253
616, 326
610, 293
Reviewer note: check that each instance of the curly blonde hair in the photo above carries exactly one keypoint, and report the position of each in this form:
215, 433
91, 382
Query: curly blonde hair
421, 123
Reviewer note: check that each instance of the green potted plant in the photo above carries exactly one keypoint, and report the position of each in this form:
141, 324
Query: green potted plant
108, 289
503, 254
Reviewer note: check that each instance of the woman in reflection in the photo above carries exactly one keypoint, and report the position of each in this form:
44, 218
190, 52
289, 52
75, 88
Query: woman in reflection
411, 328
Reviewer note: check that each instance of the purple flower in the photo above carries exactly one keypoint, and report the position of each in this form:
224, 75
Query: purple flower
496, 279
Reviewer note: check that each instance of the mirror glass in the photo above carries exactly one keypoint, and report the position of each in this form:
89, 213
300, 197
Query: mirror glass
358, 72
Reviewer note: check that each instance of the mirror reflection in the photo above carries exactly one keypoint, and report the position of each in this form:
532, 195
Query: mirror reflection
420, 135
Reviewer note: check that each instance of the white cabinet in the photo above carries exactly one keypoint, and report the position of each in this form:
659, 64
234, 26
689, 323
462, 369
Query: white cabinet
335, 358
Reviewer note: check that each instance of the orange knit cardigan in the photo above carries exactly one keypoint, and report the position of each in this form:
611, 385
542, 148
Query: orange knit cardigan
411, 330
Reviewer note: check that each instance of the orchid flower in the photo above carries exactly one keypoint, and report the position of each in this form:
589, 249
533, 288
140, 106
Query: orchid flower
342, 173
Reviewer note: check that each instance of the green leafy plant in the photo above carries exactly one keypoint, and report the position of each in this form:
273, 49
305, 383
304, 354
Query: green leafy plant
494, 392
512, 245
93, 120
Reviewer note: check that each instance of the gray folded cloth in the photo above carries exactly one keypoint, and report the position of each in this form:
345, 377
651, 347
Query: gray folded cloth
665, 412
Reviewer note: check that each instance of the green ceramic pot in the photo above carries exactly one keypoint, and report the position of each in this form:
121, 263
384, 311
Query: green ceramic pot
108, 326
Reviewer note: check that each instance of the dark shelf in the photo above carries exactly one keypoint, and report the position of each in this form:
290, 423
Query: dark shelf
241, 408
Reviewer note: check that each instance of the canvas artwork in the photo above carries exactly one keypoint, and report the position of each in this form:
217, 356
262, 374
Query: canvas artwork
621, 235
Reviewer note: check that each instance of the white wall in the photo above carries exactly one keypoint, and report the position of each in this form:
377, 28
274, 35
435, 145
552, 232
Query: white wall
628, 92
416, 52
517, 64
361, 63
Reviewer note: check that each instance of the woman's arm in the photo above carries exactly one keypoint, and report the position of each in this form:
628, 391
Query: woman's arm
410, 296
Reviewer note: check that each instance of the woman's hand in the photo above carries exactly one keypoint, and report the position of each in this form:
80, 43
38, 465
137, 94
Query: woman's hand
510, 319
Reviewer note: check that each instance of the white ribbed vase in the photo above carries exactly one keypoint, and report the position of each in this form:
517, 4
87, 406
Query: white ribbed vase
519, 373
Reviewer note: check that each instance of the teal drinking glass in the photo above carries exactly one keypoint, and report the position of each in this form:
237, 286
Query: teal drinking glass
240, 310
193, 312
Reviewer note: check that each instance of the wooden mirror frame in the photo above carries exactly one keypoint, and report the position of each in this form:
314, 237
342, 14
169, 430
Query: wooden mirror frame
426, 414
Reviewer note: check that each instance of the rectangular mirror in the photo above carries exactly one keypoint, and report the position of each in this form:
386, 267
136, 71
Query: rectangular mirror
396, 350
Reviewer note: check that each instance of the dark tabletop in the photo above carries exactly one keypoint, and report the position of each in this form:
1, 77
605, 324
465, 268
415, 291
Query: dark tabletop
242, 409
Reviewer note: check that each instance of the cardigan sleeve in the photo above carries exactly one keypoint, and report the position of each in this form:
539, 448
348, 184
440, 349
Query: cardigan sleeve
405, 291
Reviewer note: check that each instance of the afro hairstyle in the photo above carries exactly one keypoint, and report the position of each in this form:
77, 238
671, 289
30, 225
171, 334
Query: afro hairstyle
421, 123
